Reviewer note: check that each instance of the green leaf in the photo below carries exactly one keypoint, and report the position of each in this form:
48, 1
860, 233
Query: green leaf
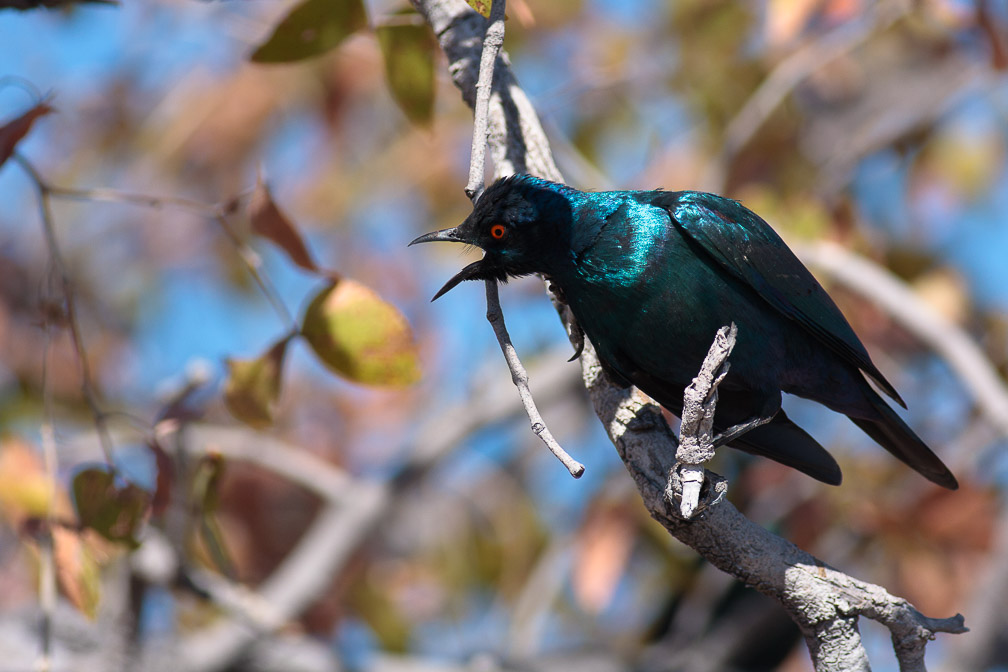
206, 500
409, 68
311, 29
253, 386
114, 511
360, 336
481, 6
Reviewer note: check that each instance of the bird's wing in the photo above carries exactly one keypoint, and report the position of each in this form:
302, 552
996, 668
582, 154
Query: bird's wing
745, 245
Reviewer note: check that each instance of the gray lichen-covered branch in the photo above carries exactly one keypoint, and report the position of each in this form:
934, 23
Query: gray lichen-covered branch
824, 602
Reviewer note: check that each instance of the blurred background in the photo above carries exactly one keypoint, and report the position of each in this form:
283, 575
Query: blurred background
414, 522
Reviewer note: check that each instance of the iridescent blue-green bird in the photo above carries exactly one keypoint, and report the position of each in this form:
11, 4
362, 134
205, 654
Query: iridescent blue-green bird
650, 276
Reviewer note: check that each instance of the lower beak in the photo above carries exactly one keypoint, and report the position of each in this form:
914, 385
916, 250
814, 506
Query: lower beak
474, 271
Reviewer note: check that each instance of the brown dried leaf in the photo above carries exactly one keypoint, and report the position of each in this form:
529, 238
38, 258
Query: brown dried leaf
271, 223
13, 131
165, 477
253, 386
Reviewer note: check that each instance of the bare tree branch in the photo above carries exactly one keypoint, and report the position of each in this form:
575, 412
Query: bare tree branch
824, 602
791, 72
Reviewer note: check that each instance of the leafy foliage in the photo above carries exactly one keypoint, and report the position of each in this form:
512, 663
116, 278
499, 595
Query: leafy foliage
409, 68
311, 29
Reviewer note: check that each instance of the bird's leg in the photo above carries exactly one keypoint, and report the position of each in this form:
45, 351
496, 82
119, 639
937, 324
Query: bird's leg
771, 407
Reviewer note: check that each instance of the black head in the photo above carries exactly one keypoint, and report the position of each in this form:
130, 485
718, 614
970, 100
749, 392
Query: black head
519, 223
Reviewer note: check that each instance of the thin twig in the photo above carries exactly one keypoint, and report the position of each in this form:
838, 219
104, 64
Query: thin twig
105, 195
493, 39
218, 212
66, 287
791, 72
253, 262
520, 378
47, 564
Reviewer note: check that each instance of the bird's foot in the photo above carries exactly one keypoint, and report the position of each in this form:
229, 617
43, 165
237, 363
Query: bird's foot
694, 488
577, 339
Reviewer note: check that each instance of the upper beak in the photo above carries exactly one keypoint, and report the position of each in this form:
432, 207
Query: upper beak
447, 235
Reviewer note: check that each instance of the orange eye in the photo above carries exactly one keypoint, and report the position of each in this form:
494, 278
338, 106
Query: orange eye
498, 231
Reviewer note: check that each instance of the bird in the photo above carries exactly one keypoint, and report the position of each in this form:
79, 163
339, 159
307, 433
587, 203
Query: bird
650, 276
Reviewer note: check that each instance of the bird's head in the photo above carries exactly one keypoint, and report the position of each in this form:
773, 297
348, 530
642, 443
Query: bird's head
517, 222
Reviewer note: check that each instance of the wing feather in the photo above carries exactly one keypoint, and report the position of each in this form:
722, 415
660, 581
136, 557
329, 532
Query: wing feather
745, 245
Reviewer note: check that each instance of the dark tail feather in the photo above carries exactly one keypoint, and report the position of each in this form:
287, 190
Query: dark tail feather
783, 441
890, 432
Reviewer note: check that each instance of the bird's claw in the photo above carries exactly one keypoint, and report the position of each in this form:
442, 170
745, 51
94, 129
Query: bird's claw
577, 337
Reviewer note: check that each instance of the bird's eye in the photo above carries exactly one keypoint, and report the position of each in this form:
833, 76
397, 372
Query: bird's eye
498, 231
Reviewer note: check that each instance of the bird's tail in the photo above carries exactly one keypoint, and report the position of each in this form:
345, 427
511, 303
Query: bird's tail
890, 432
783, 441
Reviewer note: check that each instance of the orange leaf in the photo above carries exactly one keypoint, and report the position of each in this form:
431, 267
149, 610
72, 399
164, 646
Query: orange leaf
270, 223
25, 490
12, 132
603, 553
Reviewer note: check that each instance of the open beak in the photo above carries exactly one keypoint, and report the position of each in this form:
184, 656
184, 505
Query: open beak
477, 270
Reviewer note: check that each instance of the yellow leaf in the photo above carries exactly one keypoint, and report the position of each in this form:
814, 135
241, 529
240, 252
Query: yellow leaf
25, 491
360, 336
77, 570
481, 6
